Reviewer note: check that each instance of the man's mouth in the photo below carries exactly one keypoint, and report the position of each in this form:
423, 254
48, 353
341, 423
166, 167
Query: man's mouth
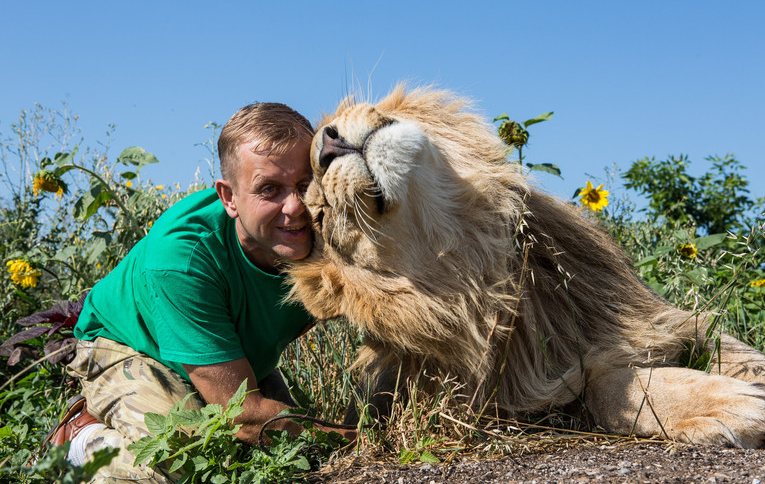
294, 230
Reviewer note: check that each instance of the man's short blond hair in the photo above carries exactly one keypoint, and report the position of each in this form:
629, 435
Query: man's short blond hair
277, 128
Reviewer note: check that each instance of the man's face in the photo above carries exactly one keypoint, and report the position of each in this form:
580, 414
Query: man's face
271, 221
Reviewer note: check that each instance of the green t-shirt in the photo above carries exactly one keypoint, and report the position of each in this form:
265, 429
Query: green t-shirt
186, 293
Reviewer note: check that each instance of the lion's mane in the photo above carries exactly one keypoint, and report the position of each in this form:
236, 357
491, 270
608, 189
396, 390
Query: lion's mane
475, 271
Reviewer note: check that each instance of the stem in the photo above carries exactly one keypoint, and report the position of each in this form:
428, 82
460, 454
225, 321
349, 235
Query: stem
139, 231
79, 274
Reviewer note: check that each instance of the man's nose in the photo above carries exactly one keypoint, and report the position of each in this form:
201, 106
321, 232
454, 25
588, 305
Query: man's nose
293, 204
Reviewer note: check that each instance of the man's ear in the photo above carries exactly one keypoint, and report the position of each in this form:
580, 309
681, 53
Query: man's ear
227, 197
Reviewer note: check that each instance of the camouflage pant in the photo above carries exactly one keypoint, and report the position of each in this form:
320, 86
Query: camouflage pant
120, 385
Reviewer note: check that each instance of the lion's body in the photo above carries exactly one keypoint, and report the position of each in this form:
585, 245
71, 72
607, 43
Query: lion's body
446, 256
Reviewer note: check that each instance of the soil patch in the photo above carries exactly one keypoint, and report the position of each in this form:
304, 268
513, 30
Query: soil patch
630, 463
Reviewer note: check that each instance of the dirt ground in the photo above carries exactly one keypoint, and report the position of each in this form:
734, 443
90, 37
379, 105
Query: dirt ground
630, 463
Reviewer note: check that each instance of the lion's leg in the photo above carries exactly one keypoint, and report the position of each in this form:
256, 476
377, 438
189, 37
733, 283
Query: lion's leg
738, 360
377, 383
678, 403
373, 396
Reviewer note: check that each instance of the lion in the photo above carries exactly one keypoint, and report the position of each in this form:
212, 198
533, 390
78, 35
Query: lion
447, 257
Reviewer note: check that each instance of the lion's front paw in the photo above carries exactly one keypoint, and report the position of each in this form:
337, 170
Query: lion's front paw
679, 403
733, 417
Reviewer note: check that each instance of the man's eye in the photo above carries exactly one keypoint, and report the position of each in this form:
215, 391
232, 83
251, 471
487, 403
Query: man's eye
268, 191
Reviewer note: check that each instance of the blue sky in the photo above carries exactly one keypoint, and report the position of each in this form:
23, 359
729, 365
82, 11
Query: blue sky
626, 80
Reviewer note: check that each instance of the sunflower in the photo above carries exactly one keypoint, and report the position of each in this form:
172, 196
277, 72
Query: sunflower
48, 181
513, 134
594, 198
23, 274
688, 250
759, 283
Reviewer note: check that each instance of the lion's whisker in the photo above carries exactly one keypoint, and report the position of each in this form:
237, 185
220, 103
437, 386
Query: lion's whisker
334, 235
364, 220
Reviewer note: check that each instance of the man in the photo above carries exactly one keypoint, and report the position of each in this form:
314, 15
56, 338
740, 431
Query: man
197, 304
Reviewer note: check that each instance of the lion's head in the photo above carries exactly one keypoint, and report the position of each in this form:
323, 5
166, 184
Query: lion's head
392, 181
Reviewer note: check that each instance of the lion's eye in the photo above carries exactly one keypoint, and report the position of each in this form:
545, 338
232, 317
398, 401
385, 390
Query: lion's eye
320, 218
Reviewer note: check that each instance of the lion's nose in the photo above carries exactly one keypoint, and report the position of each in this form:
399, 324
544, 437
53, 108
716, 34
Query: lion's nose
333, 145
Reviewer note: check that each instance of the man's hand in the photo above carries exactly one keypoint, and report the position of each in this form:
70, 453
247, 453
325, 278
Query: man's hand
218, 382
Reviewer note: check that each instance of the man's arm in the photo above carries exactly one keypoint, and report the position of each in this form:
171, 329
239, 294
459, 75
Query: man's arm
218, 382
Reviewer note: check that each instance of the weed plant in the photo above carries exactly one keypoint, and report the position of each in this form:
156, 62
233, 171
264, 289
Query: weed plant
69, 213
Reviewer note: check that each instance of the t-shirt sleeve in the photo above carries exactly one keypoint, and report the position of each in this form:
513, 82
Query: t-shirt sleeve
192, 317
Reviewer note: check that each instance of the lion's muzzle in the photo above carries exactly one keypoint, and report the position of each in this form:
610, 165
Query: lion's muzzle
333, 146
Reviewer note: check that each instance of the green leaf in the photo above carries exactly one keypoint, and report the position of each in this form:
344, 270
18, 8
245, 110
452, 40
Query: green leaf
100, 458
137, 157
63, 169
663, 249
234, 411
650, 260
200, 462
155, 422
682, 234
538, 119
238, 396
5, 432
697, 276
247, 477
96, 249
302, 463
406, 456
178, 463
128, 175
702, 243
658, 288
219, 479
62, 159
428, 457
99, 242
189, 418
212, 409
187, 478
546, 167
91, 201
180, 405
65, 253
702, 362
144, 449
501, 117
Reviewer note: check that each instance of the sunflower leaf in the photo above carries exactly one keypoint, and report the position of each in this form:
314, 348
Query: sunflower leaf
136, 156
702, 243
91, 201
62, 159
538, 119
546, 167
